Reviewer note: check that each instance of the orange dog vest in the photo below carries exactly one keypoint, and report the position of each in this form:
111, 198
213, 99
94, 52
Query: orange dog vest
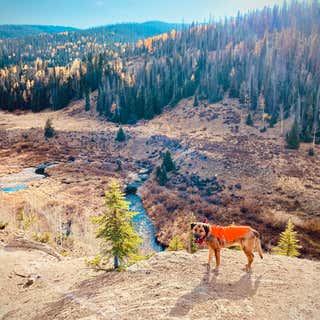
229, 233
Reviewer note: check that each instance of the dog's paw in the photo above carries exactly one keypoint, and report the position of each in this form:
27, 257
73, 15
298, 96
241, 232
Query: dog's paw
245, 268
215, 271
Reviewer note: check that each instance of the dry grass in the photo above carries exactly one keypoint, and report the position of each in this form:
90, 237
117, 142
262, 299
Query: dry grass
275, 183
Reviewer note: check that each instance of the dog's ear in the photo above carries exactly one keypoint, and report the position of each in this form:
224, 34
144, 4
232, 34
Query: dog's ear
192, 225
206, 228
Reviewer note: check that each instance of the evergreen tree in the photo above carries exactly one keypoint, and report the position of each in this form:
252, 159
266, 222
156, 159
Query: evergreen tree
87, 98
120, 135
288, 243
115, 227
161, 175
48, 129
311, 152
195, 102
100, 101
175, 244
249, 121
292, 137
168, 163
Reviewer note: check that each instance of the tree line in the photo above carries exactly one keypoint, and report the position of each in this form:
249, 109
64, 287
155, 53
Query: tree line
268, 59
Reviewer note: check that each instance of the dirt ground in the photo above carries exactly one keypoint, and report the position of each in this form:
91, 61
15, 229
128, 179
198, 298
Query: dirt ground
170, 285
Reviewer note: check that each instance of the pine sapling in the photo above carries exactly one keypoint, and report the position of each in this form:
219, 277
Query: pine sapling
288, 243
121, 136
175, 244
115, 228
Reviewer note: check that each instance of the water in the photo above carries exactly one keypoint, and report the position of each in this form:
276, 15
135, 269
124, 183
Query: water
143, 225
14, 189
19, 181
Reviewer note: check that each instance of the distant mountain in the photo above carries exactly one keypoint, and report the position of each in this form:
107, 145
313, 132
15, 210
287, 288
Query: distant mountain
134, 31
130, 31
8, 31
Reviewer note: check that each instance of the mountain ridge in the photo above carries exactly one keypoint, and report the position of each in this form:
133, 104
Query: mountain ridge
13, 31
9, 31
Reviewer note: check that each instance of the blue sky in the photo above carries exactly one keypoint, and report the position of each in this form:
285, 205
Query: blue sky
86, 13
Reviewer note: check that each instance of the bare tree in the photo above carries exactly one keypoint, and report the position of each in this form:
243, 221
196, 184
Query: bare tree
281, 110
316, 117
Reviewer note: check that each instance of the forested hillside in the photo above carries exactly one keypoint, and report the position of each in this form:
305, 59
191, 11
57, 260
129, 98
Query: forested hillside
60, 46
269, 59
18, 31
123, 31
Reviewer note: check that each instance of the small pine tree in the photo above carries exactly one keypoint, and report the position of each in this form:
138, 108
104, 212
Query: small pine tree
168, 163
192, 246
288, 243
175, 244
196, 101
87, 105
292, 137
48, 129
161, 175
311, 152
115, 227
121, 136
249, 121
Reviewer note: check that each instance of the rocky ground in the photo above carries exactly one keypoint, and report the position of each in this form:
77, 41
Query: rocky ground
170, 285
227, 172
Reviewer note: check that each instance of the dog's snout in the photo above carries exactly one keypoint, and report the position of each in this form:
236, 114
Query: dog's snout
197, 236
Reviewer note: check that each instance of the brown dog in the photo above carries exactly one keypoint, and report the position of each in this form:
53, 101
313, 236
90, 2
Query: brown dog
217, 237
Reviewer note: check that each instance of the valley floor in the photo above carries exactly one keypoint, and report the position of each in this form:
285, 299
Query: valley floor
227, 172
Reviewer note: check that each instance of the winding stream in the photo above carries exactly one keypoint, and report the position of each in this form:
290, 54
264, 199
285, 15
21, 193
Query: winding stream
142, 223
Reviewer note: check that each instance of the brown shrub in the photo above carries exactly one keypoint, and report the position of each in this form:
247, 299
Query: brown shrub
250, 206
172, 202
312, 224
158, 210
226, 200
194, 199
208, 212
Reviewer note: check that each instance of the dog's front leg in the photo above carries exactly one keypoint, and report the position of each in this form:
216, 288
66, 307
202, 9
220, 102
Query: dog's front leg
210, 257
217, 254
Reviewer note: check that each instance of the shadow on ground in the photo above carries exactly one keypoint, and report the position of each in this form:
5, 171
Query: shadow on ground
211, 289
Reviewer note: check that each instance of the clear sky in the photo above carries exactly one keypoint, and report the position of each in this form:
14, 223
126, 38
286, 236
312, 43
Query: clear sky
87, 13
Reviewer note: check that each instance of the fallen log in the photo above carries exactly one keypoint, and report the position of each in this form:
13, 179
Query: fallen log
20, 242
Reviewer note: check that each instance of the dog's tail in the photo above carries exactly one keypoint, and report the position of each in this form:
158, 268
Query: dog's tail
258, 243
